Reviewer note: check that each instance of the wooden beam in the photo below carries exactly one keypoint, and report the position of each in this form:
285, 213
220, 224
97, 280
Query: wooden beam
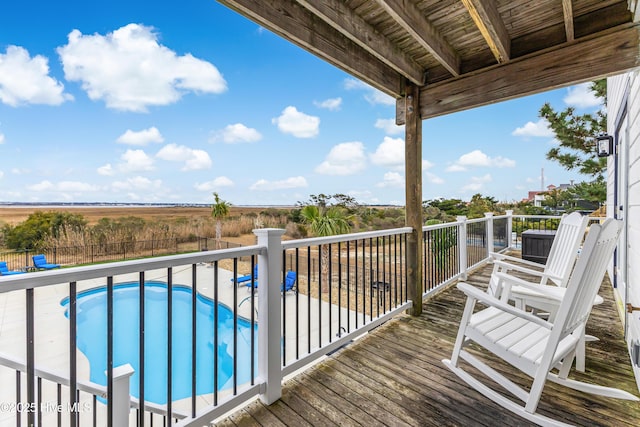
592, 57
567, 9
298, 25
413, 196
486, 17
409, 17
352, 26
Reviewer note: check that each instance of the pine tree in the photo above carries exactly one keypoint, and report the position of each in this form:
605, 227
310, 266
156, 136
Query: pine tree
575, 133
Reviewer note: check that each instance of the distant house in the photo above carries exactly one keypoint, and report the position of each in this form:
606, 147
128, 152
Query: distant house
623, 196
538, 197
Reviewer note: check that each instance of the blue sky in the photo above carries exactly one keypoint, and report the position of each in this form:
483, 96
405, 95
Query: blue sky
165, 102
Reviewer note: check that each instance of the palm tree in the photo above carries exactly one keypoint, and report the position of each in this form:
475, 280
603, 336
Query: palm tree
219, 210
325, 221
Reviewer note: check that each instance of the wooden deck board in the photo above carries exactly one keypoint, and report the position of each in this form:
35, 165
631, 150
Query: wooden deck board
395, 376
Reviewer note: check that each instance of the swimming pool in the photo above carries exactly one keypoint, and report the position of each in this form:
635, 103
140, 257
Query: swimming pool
92, 339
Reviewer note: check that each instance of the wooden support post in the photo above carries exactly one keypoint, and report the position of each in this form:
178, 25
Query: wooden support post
413, 186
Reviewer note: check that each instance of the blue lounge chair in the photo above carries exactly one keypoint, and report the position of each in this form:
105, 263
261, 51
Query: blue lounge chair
288, 285
4, 270
289, 281
40, 263
247, 278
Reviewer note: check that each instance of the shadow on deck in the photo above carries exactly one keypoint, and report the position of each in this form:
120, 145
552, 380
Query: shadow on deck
394, 376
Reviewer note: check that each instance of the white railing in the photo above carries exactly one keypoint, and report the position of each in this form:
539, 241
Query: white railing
335, 323
345, 286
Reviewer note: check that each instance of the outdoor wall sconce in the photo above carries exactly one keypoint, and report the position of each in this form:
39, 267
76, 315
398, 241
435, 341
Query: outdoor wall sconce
604, 143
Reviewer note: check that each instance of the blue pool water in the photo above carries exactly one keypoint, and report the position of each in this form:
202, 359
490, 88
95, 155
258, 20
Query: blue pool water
92, 339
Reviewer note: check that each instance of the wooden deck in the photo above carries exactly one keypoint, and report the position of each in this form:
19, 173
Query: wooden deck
394, 376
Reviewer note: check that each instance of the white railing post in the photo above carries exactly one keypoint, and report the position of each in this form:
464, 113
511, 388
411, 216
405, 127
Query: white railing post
269, 315
462, 245
121, 397
489, 217
509, 213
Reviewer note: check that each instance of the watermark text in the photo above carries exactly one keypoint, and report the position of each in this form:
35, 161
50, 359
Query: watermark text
45, 407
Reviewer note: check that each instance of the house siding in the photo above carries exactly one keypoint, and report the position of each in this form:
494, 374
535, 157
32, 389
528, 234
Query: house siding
624, 90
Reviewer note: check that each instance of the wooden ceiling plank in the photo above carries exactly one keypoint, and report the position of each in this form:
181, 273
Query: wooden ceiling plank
486, 17
608, 53
295, 23
567, 9
354, 27
409, 17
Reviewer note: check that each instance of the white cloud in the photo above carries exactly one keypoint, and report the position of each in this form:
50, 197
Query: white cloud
580, 96
391, 179
219, 182
41, 186
477, 183
236, 133
372, 95
477, 158
25, 80
63, 186
389, 126
293, 182
106, 170
426, 164
297, 123
193, 159
344, 159
1, 138
137, 183
455, 168
142, 137
433, 178
539, 129
331, 104
1, 174
76, 187
130, 70
136, 160
390, 153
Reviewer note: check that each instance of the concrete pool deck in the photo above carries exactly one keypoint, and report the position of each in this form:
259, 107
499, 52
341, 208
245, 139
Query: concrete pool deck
52, 332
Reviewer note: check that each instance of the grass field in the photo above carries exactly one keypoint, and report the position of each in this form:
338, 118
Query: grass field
15, 215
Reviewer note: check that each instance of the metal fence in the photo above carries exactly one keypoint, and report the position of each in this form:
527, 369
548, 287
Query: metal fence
344, 286
362, 286
116, 251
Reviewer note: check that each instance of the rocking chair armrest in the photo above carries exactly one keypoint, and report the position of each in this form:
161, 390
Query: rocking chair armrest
548, 291
511, 259
508, 266
490, 300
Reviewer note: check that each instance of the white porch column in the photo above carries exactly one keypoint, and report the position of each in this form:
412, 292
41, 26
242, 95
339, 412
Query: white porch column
121, 397
462, 245
489, 216
509, 213
269, 316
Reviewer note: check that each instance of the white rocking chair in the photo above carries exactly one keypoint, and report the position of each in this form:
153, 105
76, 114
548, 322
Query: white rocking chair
561, 259
531, 344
